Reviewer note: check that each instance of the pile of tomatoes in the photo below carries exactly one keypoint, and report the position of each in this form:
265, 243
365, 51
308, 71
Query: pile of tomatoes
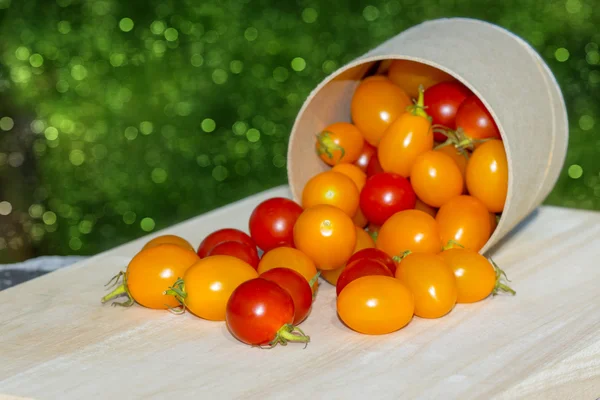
417, 182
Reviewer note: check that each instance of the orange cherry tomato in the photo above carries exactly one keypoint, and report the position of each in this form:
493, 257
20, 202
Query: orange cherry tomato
288, 257
363, 241
404, 140
376, 103
326, 234
419, 205
208, 284
410, 74
487, 175
172, 239
464, 220
152, 271
432, 282
459, 158
340, 142
353, 172
409, 230
475, 275
436, 178
375, 305
332, 188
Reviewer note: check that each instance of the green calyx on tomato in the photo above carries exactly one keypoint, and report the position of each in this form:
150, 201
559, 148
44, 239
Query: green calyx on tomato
418, 108
288, 333
401, 257
312, 282
327, 145
118, 291
500, 275
177, 291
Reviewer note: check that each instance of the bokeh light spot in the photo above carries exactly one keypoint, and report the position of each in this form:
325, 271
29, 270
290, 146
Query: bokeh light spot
78, 72
5, 207
561, 54
6, 123
298, 64
208, 125
251, 34
575, 171
75, 243
219, 76
126, 24
49, 218
129, 217
36, 60
253, 135
64, 27
171, 34
146, 127
309, 15
131, 132
77, 157
586, 122
147, 224
220, 173
157, 27
236, 66
159, 175
370, 13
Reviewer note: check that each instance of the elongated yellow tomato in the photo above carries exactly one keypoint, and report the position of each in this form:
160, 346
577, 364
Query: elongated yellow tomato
487, 175
404, 140
436, 178
375, 305
208, 284
475, 275
432, 282
409, 230
410, 74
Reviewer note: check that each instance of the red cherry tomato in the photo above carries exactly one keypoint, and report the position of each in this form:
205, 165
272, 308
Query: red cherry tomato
260, 312
238, 250
442, 102
296, 286
475, 120
384, 195
374, 254
223, 235
358, 269
272, 223
374, 166
365, 156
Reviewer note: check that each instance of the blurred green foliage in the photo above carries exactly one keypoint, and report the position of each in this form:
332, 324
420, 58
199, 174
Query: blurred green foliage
118, 118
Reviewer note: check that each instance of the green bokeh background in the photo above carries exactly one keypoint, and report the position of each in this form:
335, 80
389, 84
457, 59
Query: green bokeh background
118, 118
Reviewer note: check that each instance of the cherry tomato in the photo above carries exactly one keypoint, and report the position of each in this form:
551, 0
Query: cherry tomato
404, 140
365, 156
409, 230
208, 284
374, 166
150, 272
436, 178
287, 257
238, 250
331, 188
419, 205
375, 305
475, 120
359, 268
374, 254
475, 275
432, 282
223, 235
272, 223
487, 175
173, 239
353, 172
385, 194
464, 220
261, 312
326, 234
410, 74
363, 241
442, 101
340, 142
296, 286
459, 159
376, 103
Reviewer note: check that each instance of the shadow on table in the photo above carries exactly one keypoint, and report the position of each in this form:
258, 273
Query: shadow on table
518, 228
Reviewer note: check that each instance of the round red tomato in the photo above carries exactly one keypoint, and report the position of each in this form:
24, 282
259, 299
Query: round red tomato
442, 102
260, 312
384, 195
359, 268
223, 235
272, 223
475, 120
238, 250
296, 286
374, 254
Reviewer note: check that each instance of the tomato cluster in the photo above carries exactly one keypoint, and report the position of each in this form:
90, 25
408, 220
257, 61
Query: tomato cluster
413, 192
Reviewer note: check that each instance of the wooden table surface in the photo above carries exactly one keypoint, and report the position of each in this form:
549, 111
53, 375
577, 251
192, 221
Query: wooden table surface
58, 342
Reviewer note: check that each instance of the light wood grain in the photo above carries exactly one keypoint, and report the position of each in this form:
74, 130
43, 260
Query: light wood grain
58, 342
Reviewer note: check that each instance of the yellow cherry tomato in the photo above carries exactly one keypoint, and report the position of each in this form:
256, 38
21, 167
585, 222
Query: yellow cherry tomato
375, 305
487, 175
464, 220
376, 103
475, 275
208, 284
436, 178
288, 257
325, 234
331, 188
340, 142
458, 157
172, 239
410, 74
353, 172
432, 282
409, 230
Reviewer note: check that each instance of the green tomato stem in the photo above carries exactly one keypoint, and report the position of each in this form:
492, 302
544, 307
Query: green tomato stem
120, 290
